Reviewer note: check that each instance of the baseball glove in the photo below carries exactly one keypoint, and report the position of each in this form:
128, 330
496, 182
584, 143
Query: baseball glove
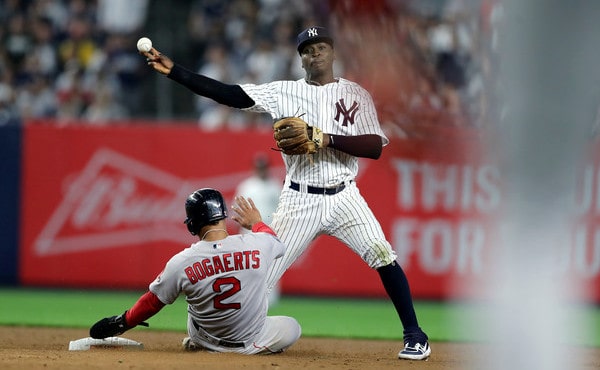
294, 136
111, 326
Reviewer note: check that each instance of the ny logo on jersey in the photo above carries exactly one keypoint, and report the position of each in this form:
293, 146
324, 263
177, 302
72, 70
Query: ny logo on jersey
312, 32
348, 114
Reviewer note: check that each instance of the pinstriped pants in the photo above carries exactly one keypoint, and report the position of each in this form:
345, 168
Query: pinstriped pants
302, 217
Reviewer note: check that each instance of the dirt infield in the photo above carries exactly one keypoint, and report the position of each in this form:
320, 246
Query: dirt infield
47, 348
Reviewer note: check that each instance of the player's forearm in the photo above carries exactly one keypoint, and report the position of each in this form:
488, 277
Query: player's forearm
230, 95
364, 146
147, 306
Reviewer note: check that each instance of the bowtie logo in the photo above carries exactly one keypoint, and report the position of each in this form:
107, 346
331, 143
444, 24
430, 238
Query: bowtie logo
348, 114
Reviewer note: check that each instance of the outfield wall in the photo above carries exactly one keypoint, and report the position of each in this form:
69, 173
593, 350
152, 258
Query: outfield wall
102, 207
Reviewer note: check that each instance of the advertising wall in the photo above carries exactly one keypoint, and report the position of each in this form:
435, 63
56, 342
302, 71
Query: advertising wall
103, 207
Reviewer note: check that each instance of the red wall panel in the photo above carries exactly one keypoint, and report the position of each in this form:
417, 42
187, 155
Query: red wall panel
104, 207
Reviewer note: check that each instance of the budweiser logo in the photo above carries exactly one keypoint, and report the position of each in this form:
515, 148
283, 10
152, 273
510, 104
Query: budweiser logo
117, 201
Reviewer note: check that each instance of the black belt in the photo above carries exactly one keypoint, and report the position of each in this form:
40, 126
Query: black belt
317, 190
216, 341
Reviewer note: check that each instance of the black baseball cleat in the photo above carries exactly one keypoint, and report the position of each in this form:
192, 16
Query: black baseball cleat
415, 351
416, 346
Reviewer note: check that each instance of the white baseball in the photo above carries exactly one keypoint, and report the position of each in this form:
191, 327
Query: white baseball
144, 44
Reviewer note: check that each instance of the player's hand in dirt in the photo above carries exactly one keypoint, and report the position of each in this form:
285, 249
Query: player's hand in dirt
246, 214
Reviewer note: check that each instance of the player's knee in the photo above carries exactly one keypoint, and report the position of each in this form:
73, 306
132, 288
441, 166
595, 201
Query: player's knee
294, 330
289, 333
379, 254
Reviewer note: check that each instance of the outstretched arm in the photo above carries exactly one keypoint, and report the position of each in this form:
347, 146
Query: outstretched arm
230, 95
147, 306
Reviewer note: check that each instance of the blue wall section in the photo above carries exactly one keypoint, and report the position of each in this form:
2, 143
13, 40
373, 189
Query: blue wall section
10, 175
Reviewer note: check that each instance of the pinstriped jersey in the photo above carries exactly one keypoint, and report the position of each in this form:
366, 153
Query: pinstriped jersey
224, 283
339, 108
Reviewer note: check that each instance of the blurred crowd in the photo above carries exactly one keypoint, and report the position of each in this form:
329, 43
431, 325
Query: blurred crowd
70, 60
426, 62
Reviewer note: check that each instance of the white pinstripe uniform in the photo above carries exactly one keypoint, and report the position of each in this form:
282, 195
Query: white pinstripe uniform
338, 108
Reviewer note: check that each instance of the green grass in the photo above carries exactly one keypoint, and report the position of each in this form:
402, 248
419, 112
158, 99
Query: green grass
319, 317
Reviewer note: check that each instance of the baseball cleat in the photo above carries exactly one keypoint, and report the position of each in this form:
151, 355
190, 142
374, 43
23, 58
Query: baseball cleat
415, 351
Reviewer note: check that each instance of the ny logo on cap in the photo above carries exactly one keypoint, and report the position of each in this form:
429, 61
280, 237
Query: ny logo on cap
312, 32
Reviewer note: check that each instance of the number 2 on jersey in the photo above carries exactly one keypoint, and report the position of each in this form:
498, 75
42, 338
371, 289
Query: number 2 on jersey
224, 294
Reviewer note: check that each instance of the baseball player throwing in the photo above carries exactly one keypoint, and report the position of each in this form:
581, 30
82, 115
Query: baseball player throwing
338, 124
224, 280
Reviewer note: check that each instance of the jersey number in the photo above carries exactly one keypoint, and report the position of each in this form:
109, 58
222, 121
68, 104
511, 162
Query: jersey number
224, 294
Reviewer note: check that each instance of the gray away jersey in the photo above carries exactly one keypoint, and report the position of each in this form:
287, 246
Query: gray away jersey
224, 283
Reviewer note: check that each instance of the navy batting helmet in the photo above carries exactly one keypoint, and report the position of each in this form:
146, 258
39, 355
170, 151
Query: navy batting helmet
203, 207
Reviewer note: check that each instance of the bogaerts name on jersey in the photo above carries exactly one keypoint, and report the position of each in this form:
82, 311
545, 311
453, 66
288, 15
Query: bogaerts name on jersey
221, 263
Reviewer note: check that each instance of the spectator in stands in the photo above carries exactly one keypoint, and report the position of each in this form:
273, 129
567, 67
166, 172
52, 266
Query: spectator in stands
70, 92
78, 46
17, 41
35, 98
43, 50
122, 62
125, 18
104, 107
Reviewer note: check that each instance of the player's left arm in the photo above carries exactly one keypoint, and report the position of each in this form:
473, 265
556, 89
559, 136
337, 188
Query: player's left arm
147, 306
365, 146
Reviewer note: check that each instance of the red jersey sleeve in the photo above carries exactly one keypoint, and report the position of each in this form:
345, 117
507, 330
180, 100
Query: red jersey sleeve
147, 306
262, 227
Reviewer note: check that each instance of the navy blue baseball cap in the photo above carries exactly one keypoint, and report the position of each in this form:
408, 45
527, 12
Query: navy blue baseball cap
312, 35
